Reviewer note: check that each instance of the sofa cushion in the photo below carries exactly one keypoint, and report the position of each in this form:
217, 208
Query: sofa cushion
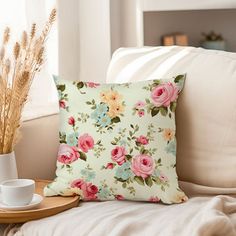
118, 141
206, 115
36, 151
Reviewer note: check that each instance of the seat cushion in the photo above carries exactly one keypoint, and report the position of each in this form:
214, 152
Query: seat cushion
206, 114
201, 215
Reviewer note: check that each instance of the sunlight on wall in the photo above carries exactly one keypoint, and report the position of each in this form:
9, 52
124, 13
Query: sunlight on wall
134, 66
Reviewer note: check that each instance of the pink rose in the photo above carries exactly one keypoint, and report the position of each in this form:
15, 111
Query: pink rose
141, 113
119, 197
140, 104
89, 191
164, 94
118, 155
92, 84
62, 104
154, 199
142, 165
142, 140
78, 183
109, 166
67, 154
71, 121
85, 142
163, 178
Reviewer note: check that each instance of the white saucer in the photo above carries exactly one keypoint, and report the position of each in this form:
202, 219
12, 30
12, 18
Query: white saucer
37, 199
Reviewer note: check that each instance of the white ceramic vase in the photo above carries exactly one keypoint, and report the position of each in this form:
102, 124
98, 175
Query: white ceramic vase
8, 169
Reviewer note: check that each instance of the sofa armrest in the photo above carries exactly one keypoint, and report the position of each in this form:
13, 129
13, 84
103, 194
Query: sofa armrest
37, 150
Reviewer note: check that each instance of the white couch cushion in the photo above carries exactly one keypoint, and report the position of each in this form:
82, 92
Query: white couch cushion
206, 113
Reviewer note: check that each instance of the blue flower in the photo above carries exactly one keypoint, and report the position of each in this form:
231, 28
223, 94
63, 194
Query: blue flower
88, 175
91, 175
104, 121
123, 172
71, 139
171, 148
103, 193
123, 142
102, 109
95, 115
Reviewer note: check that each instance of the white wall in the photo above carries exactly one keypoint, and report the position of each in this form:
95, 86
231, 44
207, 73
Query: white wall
69, 48
84, 39
91, 30
123, 24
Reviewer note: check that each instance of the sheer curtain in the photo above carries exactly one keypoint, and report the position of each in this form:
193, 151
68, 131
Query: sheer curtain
19, 15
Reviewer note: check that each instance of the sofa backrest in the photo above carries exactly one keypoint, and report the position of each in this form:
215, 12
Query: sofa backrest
206, 112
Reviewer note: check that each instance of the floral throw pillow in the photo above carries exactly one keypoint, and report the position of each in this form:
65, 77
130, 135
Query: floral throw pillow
117, 141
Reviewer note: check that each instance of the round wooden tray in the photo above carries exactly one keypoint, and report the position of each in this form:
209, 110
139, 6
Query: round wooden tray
48, 207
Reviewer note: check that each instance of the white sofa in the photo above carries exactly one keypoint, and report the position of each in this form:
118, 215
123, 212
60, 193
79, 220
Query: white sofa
206, 156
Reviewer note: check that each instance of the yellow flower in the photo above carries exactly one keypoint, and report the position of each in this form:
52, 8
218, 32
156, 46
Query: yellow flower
110, 96
104, 96
114, 97
115, 109
179, 197
168, 134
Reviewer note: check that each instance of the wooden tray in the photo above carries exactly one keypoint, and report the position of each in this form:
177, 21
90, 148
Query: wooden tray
48, 207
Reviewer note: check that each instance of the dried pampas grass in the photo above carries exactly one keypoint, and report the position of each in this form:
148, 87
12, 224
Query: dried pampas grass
16, 76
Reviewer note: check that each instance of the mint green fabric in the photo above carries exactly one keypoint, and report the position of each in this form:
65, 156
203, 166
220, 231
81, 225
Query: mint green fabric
117, 141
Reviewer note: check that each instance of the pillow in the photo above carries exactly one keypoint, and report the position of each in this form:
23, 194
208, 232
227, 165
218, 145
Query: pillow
117, 141
206, 117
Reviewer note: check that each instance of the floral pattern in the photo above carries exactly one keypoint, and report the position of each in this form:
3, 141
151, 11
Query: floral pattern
117, 146
109, 111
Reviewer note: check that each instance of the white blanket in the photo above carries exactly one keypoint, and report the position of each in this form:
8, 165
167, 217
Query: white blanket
205, 214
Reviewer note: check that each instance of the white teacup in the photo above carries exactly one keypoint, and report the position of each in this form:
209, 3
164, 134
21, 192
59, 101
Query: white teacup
17, 192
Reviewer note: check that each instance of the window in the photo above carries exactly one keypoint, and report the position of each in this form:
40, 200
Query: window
19, 15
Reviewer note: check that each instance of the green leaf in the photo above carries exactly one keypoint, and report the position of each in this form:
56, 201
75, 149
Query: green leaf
83, 156
157, 82
132, 126
62, 141
138, 144
80, 85
120, 180
178, 78
124, 185
164, 111
139, 180
61, 87
162, 188
159, 161
128, 157
67, 166
148, 181
89, 103
144, 151
154, 111
173, 106
115, 120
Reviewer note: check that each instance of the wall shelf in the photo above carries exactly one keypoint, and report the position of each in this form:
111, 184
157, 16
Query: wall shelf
155, 18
